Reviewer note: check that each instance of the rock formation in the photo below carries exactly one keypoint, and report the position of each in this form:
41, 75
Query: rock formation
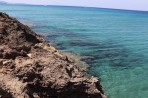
32, 68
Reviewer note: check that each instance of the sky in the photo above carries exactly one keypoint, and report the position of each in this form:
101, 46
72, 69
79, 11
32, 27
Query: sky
117, 4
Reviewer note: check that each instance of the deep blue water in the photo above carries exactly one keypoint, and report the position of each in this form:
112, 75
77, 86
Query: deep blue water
114, 42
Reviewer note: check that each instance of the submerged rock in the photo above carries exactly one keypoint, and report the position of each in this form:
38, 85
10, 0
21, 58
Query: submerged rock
31, 68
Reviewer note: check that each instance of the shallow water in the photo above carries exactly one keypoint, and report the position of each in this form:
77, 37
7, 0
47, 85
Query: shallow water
114, 42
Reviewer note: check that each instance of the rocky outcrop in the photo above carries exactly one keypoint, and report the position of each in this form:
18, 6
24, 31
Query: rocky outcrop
31, 68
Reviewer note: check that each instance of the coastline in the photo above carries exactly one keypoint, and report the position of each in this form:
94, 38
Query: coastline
32, 68
107, 41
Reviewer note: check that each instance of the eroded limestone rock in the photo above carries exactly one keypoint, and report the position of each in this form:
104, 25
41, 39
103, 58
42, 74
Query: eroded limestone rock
31, 68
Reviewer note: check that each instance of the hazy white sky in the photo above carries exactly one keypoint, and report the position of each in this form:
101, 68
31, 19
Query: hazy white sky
120, 4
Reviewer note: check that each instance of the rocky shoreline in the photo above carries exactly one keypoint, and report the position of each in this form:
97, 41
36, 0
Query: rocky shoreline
32, 68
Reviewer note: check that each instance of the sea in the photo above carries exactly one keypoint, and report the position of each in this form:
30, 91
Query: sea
113, 42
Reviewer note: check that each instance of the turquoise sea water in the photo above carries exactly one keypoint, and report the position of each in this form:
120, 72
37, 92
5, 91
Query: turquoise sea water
114, 42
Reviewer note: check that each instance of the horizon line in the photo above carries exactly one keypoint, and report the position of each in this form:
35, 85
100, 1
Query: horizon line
77, 6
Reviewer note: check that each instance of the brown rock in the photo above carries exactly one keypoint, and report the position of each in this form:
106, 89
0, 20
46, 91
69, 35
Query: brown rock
31, 68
